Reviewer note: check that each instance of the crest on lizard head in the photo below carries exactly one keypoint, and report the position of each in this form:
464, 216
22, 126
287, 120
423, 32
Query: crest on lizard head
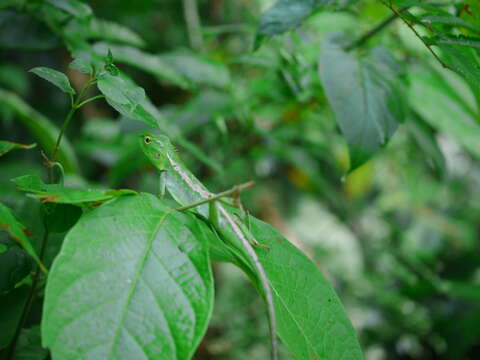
156, 148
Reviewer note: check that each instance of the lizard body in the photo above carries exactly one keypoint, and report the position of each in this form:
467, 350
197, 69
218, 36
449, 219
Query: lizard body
186, 189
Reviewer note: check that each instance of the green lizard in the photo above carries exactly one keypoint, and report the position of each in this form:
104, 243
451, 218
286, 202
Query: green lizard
189, 192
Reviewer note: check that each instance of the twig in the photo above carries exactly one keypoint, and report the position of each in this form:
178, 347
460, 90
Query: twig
374, 31
89, 100
75, 106
235, 190
395, 11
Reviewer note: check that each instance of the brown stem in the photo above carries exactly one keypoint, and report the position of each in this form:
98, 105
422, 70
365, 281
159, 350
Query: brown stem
235, 190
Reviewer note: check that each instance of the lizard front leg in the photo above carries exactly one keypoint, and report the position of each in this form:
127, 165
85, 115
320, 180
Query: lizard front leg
162, 183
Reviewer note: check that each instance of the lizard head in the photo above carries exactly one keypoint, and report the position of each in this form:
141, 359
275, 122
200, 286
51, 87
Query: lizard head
156, 148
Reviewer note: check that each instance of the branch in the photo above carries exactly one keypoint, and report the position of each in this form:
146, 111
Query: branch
235, 190
365, 37
395, 11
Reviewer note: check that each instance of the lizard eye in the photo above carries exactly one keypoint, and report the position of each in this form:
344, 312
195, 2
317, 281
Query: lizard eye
147, 139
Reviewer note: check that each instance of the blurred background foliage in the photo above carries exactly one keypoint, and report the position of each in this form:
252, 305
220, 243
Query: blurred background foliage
398, 237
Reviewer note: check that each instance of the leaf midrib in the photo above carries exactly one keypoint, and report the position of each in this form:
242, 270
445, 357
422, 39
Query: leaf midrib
135, 281
302, 331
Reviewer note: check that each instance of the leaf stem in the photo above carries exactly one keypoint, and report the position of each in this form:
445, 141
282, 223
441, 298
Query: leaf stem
236, 189
89, 100
62, 130
374, 31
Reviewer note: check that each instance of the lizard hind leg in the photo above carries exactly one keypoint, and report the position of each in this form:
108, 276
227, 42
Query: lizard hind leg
246, 227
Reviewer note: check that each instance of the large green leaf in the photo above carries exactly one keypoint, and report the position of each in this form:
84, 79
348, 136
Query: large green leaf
427, 142
312, 322
140, 288
285, 15
367, 98
6, 146
17, 232
462, 59
127, 98
65, 195
41, 128
55, 77
430, 97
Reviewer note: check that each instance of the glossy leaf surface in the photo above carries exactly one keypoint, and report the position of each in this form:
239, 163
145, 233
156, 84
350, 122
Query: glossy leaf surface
55, 77
127, 98
366, 96
132, 281
312, 322
17, 232
64, 195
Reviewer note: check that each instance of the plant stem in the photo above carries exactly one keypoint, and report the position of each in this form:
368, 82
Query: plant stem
234, 190
62, 131
28, 304
374, 31
89, 100
75, 106
395, 11
194, 27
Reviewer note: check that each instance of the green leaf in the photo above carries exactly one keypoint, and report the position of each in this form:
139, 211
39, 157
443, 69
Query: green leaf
449, 20
430, 97
41, 128
17, 232
109, 58
57, 78
109, 65
29, 346
73, 7
127, 98
140, 288
462, 57
152, 64
455, 40
15, 265
111, 31
85, 60
80, 30
367, 97
12, 308
6, 146
312, 322
59, 218
425, 138
59, 194
285, 15
197, 69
